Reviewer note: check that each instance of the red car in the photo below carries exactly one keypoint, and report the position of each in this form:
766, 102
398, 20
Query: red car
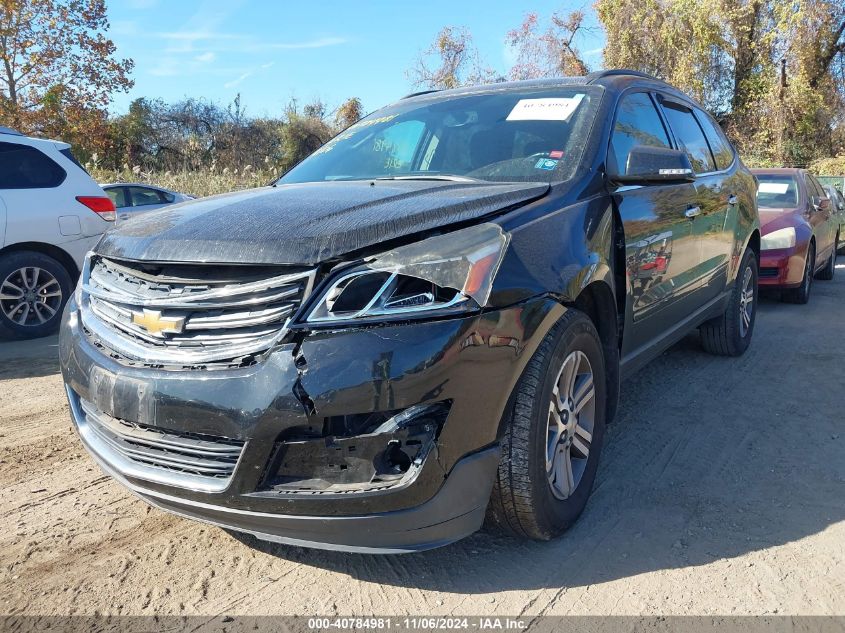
799, 232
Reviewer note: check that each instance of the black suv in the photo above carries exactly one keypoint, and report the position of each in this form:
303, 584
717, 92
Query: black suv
423, 323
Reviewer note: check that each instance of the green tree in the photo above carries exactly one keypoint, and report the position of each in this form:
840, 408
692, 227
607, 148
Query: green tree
773, 70
552, 52
349, 113
58, 69
450, 62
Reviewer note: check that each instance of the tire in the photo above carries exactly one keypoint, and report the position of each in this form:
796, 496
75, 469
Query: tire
801, 294
826, 273
525, 502
31, 312
730, 334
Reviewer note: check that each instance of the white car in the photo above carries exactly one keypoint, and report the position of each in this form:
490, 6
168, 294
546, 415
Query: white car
51, 214
132, 199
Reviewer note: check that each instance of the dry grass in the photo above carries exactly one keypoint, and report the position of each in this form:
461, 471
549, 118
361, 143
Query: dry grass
204, 182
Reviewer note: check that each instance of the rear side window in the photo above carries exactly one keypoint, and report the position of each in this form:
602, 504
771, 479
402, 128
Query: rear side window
637, 123
690, 136
141, 196
69, 155
24, 167
722, 150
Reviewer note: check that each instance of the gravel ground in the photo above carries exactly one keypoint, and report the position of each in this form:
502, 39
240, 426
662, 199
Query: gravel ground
721, 491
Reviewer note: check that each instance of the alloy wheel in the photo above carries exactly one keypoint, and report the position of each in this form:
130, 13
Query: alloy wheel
570, 426
746, 302
30, 296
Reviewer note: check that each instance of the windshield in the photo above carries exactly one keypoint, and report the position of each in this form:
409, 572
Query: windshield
777, 191
527, 136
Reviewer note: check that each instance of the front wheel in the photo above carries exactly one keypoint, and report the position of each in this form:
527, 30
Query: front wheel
554, 433
730, 333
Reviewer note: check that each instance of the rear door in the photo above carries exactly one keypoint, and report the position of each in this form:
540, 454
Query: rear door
712, 197
659, 250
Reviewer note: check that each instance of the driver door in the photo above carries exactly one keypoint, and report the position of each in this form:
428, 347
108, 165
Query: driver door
660, 252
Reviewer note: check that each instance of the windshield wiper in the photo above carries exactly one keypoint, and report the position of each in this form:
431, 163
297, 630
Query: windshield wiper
447, 177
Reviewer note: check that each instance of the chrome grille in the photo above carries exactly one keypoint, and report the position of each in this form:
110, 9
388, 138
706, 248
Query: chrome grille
186, 315
194, 460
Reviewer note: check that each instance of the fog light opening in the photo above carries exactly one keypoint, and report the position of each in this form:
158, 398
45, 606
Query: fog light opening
393, 461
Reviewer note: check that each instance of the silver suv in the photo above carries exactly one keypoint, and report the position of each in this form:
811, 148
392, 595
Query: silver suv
51, 214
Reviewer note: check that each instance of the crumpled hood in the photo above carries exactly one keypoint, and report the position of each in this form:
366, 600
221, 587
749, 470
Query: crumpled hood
306, 223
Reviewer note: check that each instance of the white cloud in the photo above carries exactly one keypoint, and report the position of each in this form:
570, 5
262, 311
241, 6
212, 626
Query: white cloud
165, 68
206, 57
194, 41
235, 82
318, 43
197, 36
246, 75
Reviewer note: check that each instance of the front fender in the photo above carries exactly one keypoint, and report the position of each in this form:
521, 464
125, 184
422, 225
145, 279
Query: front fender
558, 254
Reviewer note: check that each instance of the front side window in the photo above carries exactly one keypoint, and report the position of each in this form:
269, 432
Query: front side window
24, 167
529, 136
722, 150
637, 123
776, 191
690, 136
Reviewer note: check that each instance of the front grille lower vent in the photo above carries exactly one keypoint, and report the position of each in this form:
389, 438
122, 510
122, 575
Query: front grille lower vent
185, 315
197, 456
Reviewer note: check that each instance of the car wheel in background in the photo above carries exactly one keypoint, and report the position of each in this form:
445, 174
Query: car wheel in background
802, 293
826, 273
553, 435
33, 291
730, 334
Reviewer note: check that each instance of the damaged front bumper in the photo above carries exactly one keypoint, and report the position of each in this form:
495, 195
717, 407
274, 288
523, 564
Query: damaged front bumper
381, 439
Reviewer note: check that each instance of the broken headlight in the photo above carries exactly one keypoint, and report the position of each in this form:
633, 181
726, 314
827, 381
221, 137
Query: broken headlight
451, 272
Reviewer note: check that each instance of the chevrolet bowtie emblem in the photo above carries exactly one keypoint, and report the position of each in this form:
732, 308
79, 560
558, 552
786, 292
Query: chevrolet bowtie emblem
154, 323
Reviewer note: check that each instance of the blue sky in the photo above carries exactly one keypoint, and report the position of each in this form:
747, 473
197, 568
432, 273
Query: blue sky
270, 51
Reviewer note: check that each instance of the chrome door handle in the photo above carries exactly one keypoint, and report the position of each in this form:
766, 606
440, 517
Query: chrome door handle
692, 212
732, 200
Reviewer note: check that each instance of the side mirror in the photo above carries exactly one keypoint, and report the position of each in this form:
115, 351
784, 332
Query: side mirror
819, 204
647, 164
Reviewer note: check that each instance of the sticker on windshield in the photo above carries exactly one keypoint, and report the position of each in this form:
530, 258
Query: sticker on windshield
546, 163
773, 187
555, 109
556, 153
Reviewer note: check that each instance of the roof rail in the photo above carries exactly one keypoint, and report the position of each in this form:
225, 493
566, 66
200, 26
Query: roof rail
8, 130
619, 72
421, 92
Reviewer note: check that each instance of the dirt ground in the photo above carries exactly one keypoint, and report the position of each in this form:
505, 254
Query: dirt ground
721, 491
